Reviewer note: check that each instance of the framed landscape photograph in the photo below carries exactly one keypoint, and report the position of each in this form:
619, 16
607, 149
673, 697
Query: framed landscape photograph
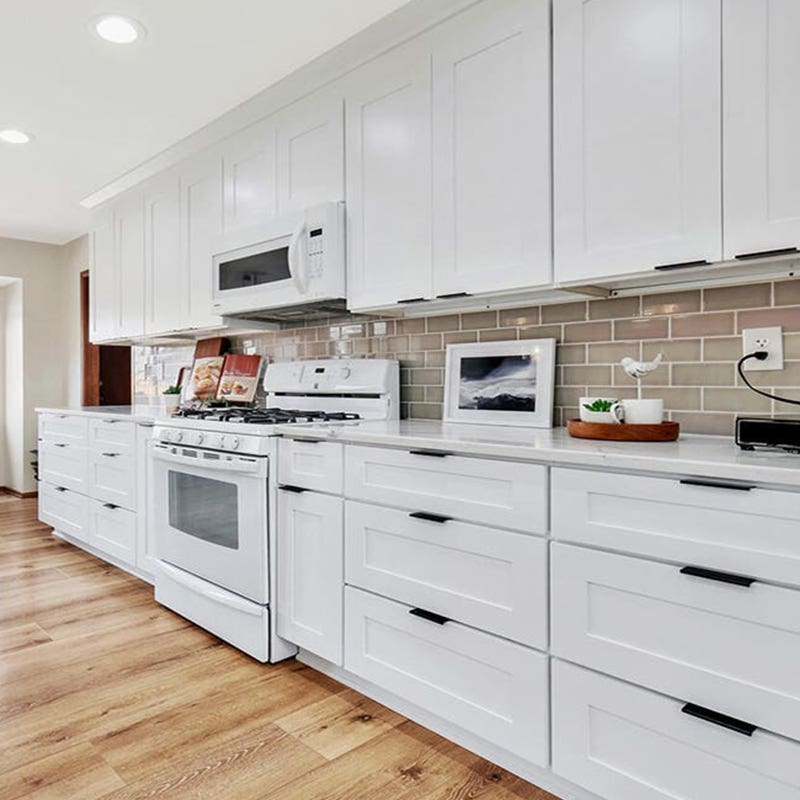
501, 383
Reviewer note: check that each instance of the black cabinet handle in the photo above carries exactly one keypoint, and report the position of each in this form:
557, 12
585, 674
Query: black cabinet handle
720, 577
723, 720
429, 517
296, 489
781, 251
59, 488
453, 295
111, 421
681, 265
307, 441
428, 615
110, 506
112, 455
409, 300
58, 444
431, 453
740, 487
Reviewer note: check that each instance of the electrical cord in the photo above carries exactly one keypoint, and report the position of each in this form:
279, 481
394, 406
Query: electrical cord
760, 355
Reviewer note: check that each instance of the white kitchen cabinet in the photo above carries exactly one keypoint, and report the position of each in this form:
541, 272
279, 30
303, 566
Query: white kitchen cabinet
491, 161
761, 72
249, 181
146, 558
311, 572
67, 511
637, 153
104, 285
129, 257
201, 224
166, 279
310, 152
112, 530
388, 156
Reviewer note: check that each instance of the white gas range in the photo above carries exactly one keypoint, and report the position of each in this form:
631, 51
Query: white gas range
214, 499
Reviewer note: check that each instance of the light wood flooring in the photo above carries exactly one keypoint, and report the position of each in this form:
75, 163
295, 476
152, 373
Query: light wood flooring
105, 694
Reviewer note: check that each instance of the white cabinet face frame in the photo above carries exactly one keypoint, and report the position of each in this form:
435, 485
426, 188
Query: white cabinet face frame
389, 193
761, 73
637, 144
491, 134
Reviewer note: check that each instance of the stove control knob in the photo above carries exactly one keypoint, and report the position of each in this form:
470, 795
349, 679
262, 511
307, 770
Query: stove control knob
178, 436
222, 443
200, 438
234, 443
166, 436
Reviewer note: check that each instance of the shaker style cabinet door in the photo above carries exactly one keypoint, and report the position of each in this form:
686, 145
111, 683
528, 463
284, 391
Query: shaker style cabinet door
637, 158
388, 154
166, 281
129, 257
311, 152
311, 572
491, 131
201, 224
103, 281
761, 177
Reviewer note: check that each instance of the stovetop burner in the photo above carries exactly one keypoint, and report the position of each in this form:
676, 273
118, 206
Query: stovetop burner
264, 416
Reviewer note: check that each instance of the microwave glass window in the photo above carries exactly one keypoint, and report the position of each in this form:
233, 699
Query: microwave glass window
256, 270
204, 508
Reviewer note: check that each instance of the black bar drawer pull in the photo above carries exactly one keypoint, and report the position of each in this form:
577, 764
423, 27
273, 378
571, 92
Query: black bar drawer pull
452, 295
723, 720
410, 300
59, 488
110, 506
429, 517
428, 615
307, 441
431, 453
296, 489
681, 265
720, 577
112, 455
58, 444
741, 487
781, 251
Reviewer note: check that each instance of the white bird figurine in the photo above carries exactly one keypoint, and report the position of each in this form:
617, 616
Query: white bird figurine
638, 369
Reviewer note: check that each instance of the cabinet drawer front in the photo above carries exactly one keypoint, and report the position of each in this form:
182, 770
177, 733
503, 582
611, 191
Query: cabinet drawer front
113, 531
627, 743
747, 532
63, 428
64, 464
64, 510
112, 435
499, 493
311, 464
487, 578
735, 648
494, 688
112, 479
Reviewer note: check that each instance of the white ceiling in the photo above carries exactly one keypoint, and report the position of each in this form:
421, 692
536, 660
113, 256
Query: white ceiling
97, 110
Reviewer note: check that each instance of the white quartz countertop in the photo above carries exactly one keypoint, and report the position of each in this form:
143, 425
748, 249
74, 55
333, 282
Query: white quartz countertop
690, 456
144, 414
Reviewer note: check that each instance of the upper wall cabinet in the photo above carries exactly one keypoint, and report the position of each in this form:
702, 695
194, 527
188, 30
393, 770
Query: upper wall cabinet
491, 132
388, 157
129, 261
104, 308
637, 111
249, 180
310, 152
761, 62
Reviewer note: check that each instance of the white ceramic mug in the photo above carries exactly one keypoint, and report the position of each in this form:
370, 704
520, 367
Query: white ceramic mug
613, 415
644, 412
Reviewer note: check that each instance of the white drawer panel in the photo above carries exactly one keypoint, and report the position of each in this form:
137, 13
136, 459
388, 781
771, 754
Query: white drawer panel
735, 648
488, 578
64, 464
112, 479
492, 687
627, 743
113, 531
751, 532
311, 464
499, 493
63, 428
112, 435
64, 510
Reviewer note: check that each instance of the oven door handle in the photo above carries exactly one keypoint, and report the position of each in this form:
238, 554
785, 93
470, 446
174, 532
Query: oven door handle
163, 453
209, 590
298, 263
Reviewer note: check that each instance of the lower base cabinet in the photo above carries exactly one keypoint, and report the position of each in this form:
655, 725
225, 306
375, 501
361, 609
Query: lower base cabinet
624, 742
65, 510
489, 686
113, 531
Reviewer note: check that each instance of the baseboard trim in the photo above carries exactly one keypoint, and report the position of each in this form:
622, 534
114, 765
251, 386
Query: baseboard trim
15, 493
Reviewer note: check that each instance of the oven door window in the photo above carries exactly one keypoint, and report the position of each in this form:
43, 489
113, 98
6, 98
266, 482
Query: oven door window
205, 508
255, 270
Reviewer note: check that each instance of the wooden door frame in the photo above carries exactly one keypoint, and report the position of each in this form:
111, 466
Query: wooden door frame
90, 353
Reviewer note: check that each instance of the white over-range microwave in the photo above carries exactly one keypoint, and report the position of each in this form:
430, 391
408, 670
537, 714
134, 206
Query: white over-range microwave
291, 266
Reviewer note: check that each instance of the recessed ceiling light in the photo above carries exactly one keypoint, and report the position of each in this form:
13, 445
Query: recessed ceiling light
117, 29
13, 136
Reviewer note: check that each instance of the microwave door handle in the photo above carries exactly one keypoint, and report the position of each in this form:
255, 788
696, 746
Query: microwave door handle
298, 266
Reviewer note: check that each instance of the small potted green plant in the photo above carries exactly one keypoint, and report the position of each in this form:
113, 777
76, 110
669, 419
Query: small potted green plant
172, 397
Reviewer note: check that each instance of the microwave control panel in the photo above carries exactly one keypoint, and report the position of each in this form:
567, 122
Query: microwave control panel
316, 249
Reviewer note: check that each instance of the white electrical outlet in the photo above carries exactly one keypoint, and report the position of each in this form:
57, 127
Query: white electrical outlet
769, 339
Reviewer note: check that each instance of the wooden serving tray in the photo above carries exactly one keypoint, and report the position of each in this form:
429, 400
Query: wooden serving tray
665, 432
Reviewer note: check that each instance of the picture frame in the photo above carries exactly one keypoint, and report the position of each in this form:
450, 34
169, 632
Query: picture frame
501, 383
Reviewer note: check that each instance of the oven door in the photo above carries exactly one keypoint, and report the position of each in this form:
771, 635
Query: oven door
210, 516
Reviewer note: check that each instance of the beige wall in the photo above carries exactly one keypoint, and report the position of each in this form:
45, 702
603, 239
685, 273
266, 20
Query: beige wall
75, 259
